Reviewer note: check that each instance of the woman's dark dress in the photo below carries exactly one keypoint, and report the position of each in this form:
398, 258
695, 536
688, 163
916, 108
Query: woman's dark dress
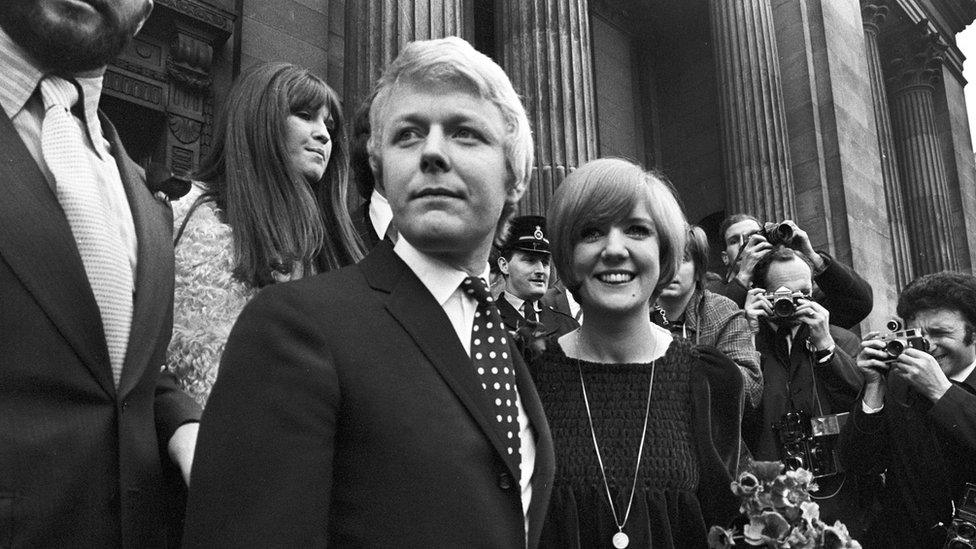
683, 484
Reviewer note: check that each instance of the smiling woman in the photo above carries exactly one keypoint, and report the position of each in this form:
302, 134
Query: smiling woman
631, 409
271, 208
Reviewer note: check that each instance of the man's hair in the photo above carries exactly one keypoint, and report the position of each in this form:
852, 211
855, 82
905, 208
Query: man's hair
732, 220
453, 61
277, 217
359, 168
779, 254
943, 290
605, 191
696, 251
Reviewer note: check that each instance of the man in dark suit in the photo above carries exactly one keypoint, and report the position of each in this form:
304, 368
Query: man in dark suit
373, 218
806, 367
915, 422
358, 408
87, 421
524, 263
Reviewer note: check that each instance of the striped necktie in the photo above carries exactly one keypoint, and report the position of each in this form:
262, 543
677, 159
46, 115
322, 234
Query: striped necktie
63, 144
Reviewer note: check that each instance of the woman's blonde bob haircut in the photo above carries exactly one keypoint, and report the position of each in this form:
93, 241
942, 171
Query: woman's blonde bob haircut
605, 191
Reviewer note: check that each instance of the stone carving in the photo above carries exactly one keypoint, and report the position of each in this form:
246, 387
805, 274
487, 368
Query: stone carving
186, 130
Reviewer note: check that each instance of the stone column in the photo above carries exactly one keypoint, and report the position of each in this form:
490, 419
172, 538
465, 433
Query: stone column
873, 15
376, 30
548, 57
914, 68
755, 144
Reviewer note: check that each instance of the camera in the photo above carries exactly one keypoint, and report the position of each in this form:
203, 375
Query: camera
778, 233
898, 339
962, 532
784, 302
809, 442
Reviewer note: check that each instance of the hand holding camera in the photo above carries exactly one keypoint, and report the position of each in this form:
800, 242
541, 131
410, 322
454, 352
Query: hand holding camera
904, 352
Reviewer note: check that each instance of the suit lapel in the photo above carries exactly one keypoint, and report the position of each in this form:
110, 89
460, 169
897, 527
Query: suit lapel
154, 280
36, 241
411, 304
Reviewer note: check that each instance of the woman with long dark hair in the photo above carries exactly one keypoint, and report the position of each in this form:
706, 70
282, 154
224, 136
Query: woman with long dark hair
270, 207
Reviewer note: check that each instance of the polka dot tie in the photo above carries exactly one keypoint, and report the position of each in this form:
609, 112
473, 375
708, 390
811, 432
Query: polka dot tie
493, 364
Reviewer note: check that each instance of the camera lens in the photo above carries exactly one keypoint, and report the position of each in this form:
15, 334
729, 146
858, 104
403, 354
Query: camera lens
893, 325
895, 347
966, 530
784, 307
793, 462
784, 232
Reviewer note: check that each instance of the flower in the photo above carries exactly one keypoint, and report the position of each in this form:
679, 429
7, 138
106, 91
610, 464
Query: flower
781, 513
720, 538
747, 485
766, 529
837, 537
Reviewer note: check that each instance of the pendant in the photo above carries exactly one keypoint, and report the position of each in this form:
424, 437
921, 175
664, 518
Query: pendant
620, 540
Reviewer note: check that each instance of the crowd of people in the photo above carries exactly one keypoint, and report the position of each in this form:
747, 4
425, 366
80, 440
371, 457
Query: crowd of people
255, 365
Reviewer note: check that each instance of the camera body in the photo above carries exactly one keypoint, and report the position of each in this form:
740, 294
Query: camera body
809, 442
777, 233
898, 339
962, 532
784, 302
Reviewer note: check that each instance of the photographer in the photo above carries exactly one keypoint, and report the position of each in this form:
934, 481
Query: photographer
806, 365
839, 289
916, 420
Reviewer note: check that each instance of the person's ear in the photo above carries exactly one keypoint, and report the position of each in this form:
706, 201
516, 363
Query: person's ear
503, 265
515, 192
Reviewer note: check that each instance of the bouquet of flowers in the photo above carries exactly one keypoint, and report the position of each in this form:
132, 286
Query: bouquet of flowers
780, 511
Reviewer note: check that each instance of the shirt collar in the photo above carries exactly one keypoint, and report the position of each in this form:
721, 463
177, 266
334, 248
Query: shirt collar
18, 76
515, 301
441, 279
380, 213
962, 376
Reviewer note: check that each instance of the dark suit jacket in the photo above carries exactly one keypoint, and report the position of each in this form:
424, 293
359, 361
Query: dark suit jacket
81, 462
788, 383
347, 413
364, 226
554, 323
926, 450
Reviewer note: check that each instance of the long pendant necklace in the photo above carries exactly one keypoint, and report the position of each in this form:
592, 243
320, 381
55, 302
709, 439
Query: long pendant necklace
620, 539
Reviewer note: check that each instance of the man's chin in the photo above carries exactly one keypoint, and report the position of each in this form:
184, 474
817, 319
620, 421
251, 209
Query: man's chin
68, 43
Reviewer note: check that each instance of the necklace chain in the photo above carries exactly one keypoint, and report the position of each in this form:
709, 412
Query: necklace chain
596, 445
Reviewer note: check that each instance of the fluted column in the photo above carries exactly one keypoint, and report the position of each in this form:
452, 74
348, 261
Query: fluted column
376, 31
914, 69
547, 55
755, 145
873, 15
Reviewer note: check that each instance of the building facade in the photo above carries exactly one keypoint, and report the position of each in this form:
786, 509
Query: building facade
847, 116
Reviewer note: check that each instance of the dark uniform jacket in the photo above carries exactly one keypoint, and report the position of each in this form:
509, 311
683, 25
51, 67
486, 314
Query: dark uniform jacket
553, 323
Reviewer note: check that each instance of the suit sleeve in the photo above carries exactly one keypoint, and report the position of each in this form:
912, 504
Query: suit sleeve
847, 296
863, 444
955, 414
840, 375
262, 475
